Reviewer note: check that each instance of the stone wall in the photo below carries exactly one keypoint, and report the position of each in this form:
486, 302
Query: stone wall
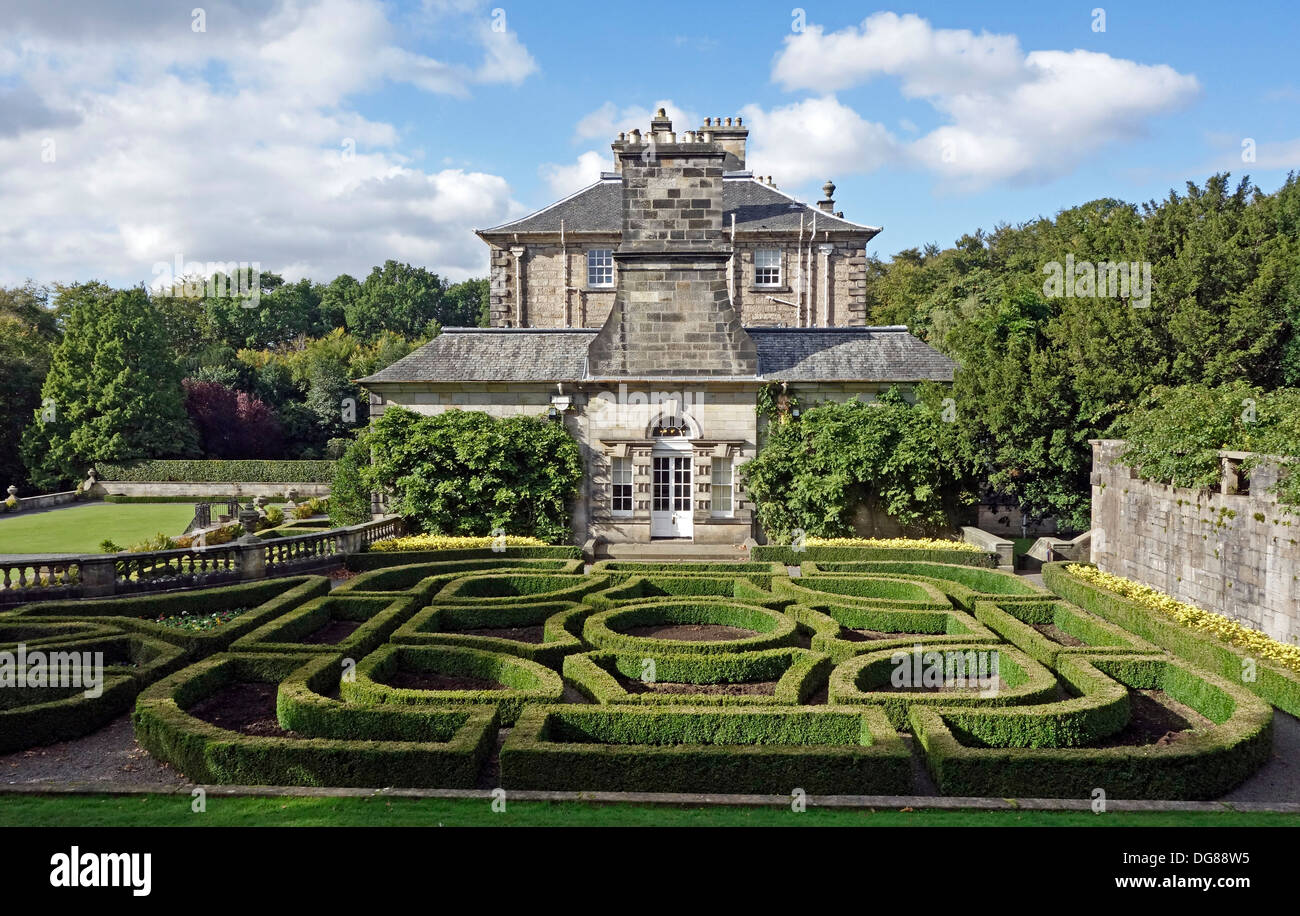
1222, 550
834, 283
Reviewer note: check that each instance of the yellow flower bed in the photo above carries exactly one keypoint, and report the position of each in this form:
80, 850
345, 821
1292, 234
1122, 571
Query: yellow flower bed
450, 542
1225, 628
894, 543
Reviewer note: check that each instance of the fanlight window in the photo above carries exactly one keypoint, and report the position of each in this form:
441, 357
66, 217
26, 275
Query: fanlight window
670, 427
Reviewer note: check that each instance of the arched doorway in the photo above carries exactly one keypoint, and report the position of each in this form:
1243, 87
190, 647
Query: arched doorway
672, 512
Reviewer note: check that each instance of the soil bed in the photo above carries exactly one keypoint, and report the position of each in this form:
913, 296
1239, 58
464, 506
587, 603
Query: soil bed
868, 635
1057, 635
1155, 718
533, 634
750, 688
247, 708
691, 632
333, 632
432, 680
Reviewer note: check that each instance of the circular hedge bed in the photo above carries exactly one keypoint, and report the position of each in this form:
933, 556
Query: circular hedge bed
751, 627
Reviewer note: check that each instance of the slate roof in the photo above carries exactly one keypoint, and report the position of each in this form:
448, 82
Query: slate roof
757, 207
880, 354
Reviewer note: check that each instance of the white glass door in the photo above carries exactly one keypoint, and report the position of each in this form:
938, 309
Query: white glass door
671, 515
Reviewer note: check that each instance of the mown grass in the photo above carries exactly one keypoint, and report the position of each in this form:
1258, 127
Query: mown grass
79, 529
176, 811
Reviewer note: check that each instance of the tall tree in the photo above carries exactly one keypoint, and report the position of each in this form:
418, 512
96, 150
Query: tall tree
28, 333
113, 392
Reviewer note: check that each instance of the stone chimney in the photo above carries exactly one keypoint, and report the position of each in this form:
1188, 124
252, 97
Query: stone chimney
828, 205
731, 137
672, 313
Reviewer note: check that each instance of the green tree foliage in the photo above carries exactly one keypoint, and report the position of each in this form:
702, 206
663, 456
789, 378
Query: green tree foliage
113, 392
467, 473
1176, 434
349, 496
28, 333
1041, 375
815, 472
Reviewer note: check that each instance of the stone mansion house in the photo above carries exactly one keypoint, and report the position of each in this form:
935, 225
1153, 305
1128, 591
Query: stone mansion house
646, 312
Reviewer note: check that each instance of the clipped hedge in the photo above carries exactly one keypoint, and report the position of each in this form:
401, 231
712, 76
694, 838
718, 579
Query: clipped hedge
252, 470
1203, 764
510, 587
645, 587
879, 591
36, 715
374, 559
449, 752
625, 568
798, 674
264, 599
827, 622
789, 556
35, 634
522, 680
400, 578
1015, 623
442, 625
1279, 686
772, 629
983, 582
378, 616
863, 679
767, 750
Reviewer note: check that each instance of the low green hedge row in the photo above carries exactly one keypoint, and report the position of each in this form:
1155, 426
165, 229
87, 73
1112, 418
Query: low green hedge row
509, 587
826, 624
1202, 764
877, 590
32, 633
443, 625
644, 587
1015, 623
208, 754
252, 470
688, 568
798, 674
985, 582
377, 559
866, 679
400, 578
36, 715
522, 680
608, 629
265, 600
767, 750
210, 498
1279, 686
791, 557
378, 616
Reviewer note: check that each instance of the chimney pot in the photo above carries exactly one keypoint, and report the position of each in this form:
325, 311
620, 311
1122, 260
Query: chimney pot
739, 121
661, 113
708, 122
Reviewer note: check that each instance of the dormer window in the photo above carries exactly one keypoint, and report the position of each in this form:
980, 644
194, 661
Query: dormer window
600, 268
767, 267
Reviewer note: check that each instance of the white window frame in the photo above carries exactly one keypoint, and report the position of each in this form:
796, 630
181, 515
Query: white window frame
620, 486
722, 488
768, 255
600, 268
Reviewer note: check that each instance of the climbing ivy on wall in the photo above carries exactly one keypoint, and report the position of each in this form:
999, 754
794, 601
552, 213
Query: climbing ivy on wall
467, 473
813, 473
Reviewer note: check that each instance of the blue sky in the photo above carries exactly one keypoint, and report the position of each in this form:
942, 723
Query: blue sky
316, 136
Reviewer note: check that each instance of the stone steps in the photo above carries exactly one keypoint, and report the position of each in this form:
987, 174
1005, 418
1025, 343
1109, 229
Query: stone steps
663, 551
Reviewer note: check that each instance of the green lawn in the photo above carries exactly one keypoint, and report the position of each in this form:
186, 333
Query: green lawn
175, 810
79, 529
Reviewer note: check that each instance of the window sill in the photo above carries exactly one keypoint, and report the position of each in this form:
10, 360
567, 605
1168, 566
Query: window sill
770, 289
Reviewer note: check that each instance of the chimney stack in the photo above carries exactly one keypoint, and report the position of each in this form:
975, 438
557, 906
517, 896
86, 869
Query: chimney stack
731, 136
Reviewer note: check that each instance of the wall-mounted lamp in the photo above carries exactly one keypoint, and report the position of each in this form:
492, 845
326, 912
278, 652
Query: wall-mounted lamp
552, 413
794, 413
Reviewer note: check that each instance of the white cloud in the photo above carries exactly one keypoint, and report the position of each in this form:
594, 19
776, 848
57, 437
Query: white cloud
606, 122
1012, 116
813, 140
563, 180
154, 156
